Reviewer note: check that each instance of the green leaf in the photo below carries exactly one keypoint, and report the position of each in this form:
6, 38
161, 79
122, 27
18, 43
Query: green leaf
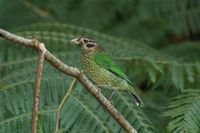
184, 110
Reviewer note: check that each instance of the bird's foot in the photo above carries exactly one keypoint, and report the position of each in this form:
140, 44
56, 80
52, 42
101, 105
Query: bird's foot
112, 93
102, 85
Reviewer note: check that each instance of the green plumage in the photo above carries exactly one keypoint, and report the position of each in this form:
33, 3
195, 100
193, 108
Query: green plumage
104, 60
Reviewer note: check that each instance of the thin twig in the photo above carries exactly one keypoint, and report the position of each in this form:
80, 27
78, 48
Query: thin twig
76, 73
42, 51
71, 87
39, 11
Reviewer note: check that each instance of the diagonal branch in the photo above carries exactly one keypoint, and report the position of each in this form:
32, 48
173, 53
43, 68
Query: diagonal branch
76, 73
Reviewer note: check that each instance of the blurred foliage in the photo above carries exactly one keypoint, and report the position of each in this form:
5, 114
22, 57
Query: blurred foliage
154, 22
155, 41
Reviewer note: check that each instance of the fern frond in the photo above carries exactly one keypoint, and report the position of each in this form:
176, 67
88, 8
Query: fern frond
156, 67
186, 51
16, 102
184, 112
181, 17
162, 72
79, 111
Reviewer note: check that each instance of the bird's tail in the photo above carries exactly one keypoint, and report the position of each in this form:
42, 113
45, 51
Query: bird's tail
136, 99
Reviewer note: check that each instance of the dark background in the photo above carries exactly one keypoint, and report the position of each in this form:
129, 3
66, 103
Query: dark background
155, 22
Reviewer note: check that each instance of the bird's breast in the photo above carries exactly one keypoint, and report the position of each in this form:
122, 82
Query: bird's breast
95, 71
99, 74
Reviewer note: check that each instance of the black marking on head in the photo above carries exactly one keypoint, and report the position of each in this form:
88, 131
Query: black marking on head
90, 45
87, 40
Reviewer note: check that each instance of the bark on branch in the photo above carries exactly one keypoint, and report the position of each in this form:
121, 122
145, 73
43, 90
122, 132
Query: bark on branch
41, 48
76, 73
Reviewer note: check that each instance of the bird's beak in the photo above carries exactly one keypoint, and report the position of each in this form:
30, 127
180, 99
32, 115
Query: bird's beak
75, 41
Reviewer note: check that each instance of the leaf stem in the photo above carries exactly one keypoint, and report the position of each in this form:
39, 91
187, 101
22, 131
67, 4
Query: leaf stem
71, 87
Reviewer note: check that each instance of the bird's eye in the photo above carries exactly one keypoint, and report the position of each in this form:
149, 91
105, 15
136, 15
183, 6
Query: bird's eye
90, 45
86, 41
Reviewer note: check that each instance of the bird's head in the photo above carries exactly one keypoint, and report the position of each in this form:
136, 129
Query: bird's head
87, 45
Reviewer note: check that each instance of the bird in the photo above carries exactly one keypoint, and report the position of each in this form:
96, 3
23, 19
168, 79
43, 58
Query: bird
102, 69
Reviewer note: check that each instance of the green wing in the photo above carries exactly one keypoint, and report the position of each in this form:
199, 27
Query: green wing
104, 60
